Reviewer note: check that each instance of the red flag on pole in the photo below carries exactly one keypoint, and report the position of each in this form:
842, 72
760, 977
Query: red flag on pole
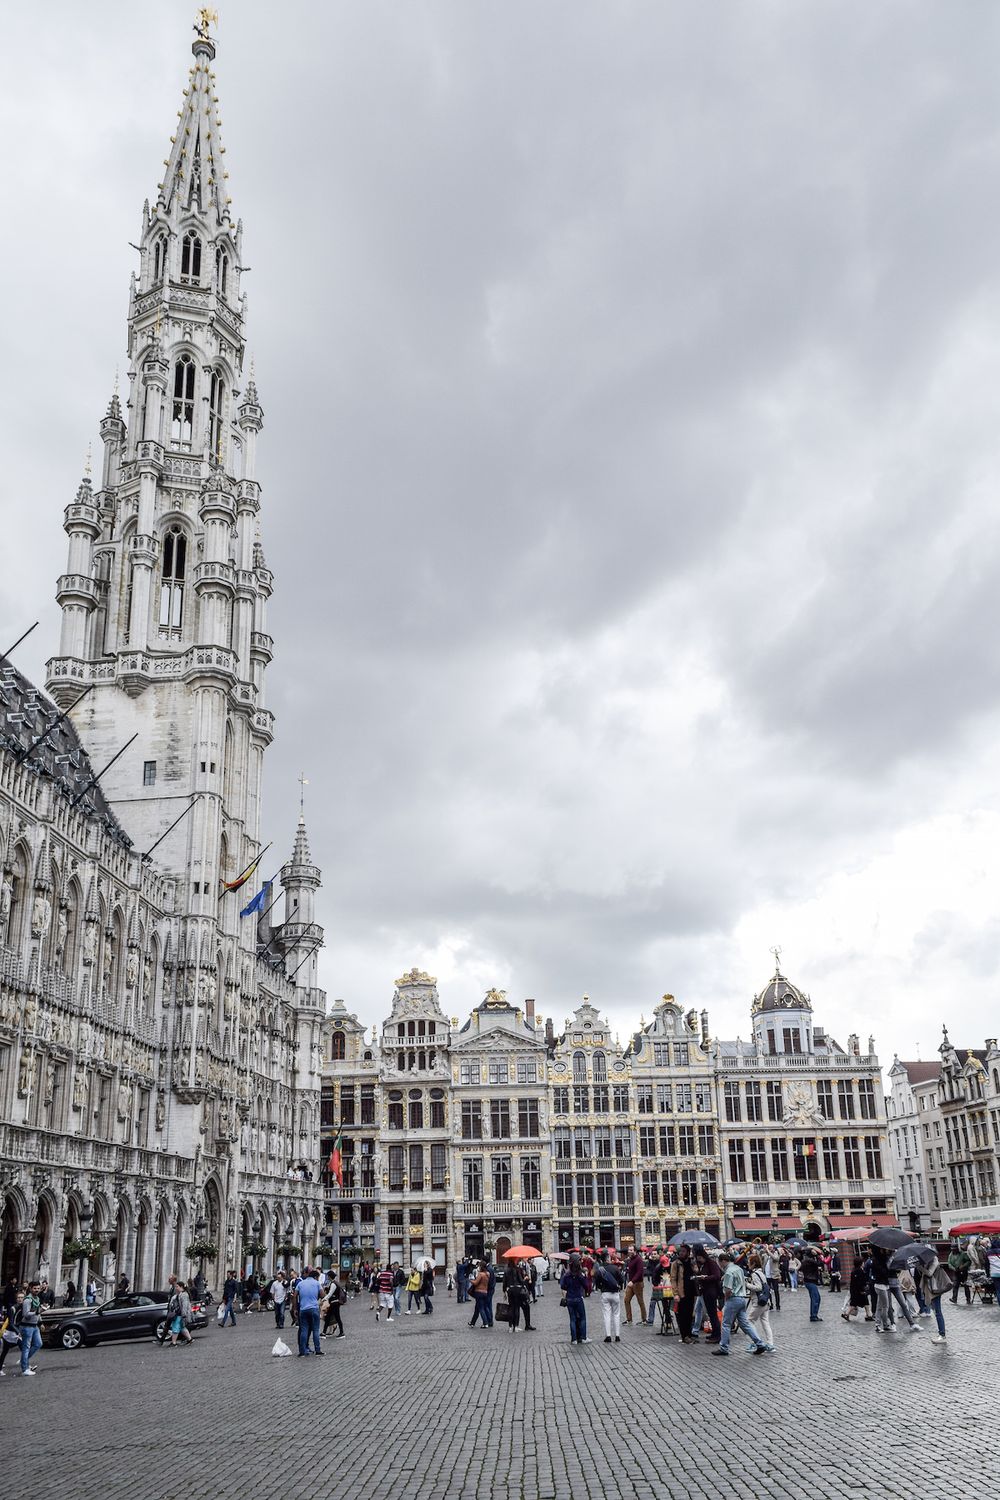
336, 1162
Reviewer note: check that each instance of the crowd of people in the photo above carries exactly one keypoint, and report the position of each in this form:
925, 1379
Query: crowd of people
697, 1292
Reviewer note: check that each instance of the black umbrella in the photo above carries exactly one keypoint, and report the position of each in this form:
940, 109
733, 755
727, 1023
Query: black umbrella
908, 1255
693, 1237
890, 1239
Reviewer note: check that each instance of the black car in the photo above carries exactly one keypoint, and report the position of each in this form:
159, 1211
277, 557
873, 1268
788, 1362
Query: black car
135, 1315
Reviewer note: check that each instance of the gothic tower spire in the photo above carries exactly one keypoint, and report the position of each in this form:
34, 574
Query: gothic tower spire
165, 595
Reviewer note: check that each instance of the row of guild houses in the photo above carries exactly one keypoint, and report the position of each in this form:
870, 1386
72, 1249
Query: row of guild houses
944, 1132
159, 1053
456, 1140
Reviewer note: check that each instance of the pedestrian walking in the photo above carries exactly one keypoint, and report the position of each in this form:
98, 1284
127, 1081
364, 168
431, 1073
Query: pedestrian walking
794, 1267
857, 1294
608, 1282
398, 1283
518, 1297
31, 1335
462, 1280
230, 1289
279, 1294
682, 1280
772, 1270
635, 1275
708, 1280
934, 1283
734, 1292
330, 1307
413, 1290
480, 1287
385, 1298
810, 1278
307, 1299
759, 1296
180, 1323
959, 1264
574, 1287
427, 1289
835, 1270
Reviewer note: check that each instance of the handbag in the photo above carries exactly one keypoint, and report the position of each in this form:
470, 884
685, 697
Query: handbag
562, 1301
502, 1312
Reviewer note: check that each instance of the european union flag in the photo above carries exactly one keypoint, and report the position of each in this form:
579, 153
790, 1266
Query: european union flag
260, 901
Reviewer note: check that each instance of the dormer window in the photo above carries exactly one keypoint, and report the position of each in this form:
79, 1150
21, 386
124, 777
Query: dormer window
191, 258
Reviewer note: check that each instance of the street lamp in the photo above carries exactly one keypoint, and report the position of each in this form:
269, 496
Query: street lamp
200, 1229
86, 1219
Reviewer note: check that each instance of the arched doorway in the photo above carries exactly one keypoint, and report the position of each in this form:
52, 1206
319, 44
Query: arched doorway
503, 1244
16, 1236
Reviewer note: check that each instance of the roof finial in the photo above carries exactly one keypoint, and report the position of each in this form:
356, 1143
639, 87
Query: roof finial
777, 958
87, 468
116, 380
303, 783
203, 20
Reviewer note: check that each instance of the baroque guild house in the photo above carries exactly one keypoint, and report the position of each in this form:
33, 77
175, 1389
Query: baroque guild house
159, 1054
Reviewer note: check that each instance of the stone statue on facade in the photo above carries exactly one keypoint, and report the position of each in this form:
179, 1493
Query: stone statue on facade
41, 915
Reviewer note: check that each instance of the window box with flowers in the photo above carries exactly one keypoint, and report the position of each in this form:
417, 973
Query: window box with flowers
202, 1250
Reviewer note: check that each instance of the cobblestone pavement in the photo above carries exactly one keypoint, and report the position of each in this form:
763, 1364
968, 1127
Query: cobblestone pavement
426, 1408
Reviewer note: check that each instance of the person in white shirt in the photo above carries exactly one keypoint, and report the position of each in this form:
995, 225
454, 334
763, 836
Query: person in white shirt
279, 1292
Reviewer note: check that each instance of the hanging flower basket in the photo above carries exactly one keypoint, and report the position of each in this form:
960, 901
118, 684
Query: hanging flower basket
82, 1249
254, 1248
202, 1250
287, 1249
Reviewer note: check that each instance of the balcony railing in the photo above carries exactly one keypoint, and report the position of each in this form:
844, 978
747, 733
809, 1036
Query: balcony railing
501, 1208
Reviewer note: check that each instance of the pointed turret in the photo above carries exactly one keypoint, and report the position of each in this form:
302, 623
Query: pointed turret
300, 936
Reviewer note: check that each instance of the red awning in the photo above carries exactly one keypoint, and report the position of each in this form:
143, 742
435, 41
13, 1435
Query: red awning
764, 1226
979, 1226
862, 1221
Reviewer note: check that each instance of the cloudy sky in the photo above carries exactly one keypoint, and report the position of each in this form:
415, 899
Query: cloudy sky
631, 375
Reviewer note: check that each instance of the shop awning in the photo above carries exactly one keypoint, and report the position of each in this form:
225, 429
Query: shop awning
862, 1221
742, 1227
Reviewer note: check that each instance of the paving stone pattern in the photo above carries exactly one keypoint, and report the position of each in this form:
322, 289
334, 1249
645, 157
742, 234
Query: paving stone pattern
426, 1408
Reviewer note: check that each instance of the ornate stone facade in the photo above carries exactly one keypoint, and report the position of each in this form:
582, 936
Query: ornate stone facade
159, 1055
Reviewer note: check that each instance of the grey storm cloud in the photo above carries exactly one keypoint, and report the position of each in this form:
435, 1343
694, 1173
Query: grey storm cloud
630, 375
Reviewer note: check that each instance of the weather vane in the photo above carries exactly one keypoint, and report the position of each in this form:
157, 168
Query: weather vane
303, 783
204, 20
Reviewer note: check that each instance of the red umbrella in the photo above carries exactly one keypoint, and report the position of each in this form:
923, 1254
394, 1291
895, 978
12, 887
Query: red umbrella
521, 1252
983, 1226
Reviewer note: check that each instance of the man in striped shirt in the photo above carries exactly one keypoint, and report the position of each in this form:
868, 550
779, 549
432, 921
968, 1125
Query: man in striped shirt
385, 1298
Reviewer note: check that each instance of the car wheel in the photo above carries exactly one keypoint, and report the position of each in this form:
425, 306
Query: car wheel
160, 1330
71, 1337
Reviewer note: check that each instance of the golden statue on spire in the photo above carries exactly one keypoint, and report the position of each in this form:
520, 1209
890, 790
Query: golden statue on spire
204, 19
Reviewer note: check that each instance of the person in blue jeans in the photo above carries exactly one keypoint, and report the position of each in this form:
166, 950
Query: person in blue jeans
734, 1290
810, 1277
31, 1334
573, 1286
307, 1292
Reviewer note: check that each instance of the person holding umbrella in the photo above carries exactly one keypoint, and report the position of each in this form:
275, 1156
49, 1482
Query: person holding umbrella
682, 1281
884, 1243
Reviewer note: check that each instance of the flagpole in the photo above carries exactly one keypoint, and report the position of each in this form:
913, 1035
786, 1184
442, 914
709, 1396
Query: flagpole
230, 884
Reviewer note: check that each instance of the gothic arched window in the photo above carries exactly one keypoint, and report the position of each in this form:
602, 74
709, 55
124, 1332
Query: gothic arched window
182, 415
221, 272
579, 1067
216, 406
172, 585
159, 260
337, 1047
191, 257
600, 1067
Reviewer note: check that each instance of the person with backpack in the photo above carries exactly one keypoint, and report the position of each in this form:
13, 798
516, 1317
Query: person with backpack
608, 1282
398, 1283
934, 1284
180, 1322
759, 1290
959, 1264
330, 1308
